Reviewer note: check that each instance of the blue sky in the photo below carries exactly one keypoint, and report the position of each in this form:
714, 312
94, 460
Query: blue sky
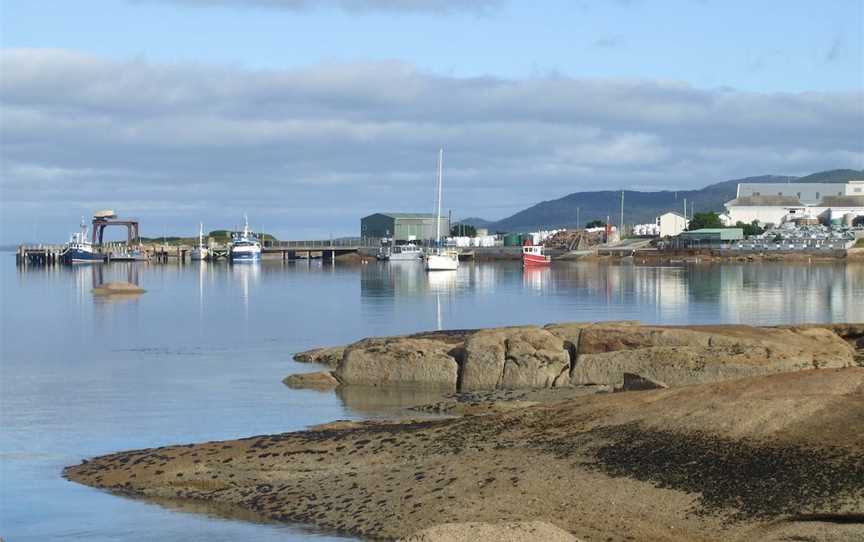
186, 110
762, 46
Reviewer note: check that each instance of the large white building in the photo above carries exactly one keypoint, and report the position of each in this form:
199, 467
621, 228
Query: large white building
775, 203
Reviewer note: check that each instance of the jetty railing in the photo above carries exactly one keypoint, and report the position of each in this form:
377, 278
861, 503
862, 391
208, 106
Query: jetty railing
342, 243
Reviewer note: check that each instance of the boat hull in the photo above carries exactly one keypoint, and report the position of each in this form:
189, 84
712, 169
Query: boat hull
246, 256
74, 256
409, 257
199, 254
534, 260
442, 262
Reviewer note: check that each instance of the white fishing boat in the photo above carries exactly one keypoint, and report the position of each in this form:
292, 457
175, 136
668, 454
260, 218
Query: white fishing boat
245, 246
405, 253
441, 258
202, 251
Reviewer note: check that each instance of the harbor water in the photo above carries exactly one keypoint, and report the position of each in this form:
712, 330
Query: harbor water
201, 355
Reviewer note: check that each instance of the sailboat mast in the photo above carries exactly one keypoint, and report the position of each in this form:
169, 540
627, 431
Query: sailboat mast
440, 181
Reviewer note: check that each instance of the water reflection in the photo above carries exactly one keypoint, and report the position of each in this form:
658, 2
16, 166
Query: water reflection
389, 401
746, 293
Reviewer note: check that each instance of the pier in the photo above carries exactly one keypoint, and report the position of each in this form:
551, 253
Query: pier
329, 249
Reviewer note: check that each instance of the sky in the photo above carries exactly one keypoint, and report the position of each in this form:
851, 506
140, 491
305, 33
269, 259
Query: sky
309, 114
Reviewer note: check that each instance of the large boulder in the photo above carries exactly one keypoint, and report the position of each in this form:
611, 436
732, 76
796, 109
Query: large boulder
730, 352
513, 358
398, 361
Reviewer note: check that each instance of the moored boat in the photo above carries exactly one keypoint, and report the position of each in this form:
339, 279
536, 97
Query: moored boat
245, 246
80, 250
532, 256
405, 253
200, 252
441, 258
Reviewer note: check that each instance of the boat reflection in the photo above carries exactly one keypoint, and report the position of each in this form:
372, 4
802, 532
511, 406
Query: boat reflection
535, 278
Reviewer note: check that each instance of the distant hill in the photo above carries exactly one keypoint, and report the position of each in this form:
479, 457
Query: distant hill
639, 207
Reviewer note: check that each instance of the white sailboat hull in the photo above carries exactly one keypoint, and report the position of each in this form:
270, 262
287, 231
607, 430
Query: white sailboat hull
200, 253
442, 262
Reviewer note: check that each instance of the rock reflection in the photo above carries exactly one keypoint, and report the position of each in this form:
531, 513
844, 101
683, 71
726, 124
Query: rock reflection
390, 401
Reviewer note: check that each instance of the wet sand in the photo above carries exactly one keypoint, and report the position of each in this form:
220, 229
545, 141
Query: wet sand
765, 457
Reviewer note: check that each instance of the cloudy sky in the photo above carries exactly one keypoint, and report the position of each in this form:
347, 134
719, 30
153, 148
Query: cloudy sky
308, 114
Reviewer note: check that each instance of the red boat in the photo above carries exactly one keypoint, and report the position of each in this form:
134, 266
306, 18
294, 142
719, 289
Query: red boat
533, 256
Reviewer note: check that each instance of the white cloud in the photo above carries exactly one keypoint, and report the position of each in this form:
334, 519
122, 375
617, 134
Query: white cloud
363, 136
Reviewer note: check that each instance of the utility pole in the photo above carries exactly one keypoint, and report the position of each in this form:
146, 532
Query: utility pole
685, 208
577, 218
621, 224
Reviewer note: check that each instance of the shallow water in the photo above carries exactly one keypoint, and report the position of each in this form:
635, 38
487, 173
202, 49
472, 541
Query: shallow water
200, 356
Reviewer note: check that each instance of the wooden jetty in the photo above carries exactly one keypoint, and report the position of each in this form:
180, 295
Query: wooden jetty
49, 254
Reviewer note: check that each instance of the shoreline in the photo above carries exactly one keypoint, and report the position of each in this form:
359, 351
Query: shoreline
737, 458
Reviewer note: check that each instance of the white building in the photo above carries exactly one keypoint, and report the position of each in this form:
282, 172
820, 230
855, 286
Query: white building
671, 224
776, 203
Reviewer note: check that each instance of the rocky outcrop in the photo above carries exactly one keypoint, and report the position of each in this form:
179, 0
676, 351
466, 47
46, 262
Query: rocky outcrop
325, 356
576, 354
513, 358
399, 361
709, 462
323, 380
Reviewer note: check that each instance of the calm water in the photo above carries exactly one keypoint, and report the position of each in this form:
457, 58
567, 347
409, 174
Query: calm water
201, 355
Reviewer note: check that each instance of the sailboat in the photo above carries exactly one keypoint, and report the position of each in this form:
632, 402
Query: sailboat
441, 258
201, 251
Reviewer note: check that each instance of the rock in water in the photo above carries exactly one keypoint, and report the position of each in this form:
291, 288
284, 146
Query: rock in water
118, 288
323, 380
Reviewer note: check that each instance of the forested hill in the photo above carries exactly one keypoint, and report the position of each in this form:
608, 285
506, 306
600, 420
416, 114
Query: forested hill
640, 207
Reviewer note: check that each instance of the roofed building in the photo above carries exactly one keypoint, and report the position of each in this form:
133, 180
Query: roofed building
775, 203
403, 226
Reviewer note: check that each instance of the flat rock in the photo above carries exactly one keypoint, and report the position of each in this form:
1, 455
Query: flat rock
473, 531
118, 288
322, 380
325, 356
720, 461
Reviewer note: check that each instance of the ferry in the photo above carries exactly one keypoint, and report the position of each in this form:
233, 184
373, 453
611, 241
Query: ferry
80, 250
245, 246
532, 256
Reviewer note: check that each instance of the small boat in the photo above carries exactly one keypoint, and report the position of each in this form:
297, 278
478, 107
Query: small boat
135, 254
200, 252
532, 256
441, 258
405, 253
245, 246
80, 250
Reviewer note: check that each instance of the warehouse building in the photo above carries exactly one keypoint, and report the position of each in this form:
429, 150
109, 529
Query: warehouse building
403, 227
767, 203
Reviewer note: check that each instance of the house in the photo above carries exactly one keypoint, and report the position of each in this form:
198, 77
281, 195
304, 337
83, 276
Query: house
671, 224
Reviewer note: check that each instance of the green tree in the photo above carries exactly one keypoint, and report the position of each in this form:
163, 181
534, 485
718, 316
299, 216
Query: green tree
595, 224
705, 220
463, 230
750, 229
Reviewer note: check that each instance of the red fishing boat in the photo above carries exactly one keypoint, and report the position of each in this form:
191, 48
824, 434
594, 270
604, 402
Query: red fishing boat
533, 256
